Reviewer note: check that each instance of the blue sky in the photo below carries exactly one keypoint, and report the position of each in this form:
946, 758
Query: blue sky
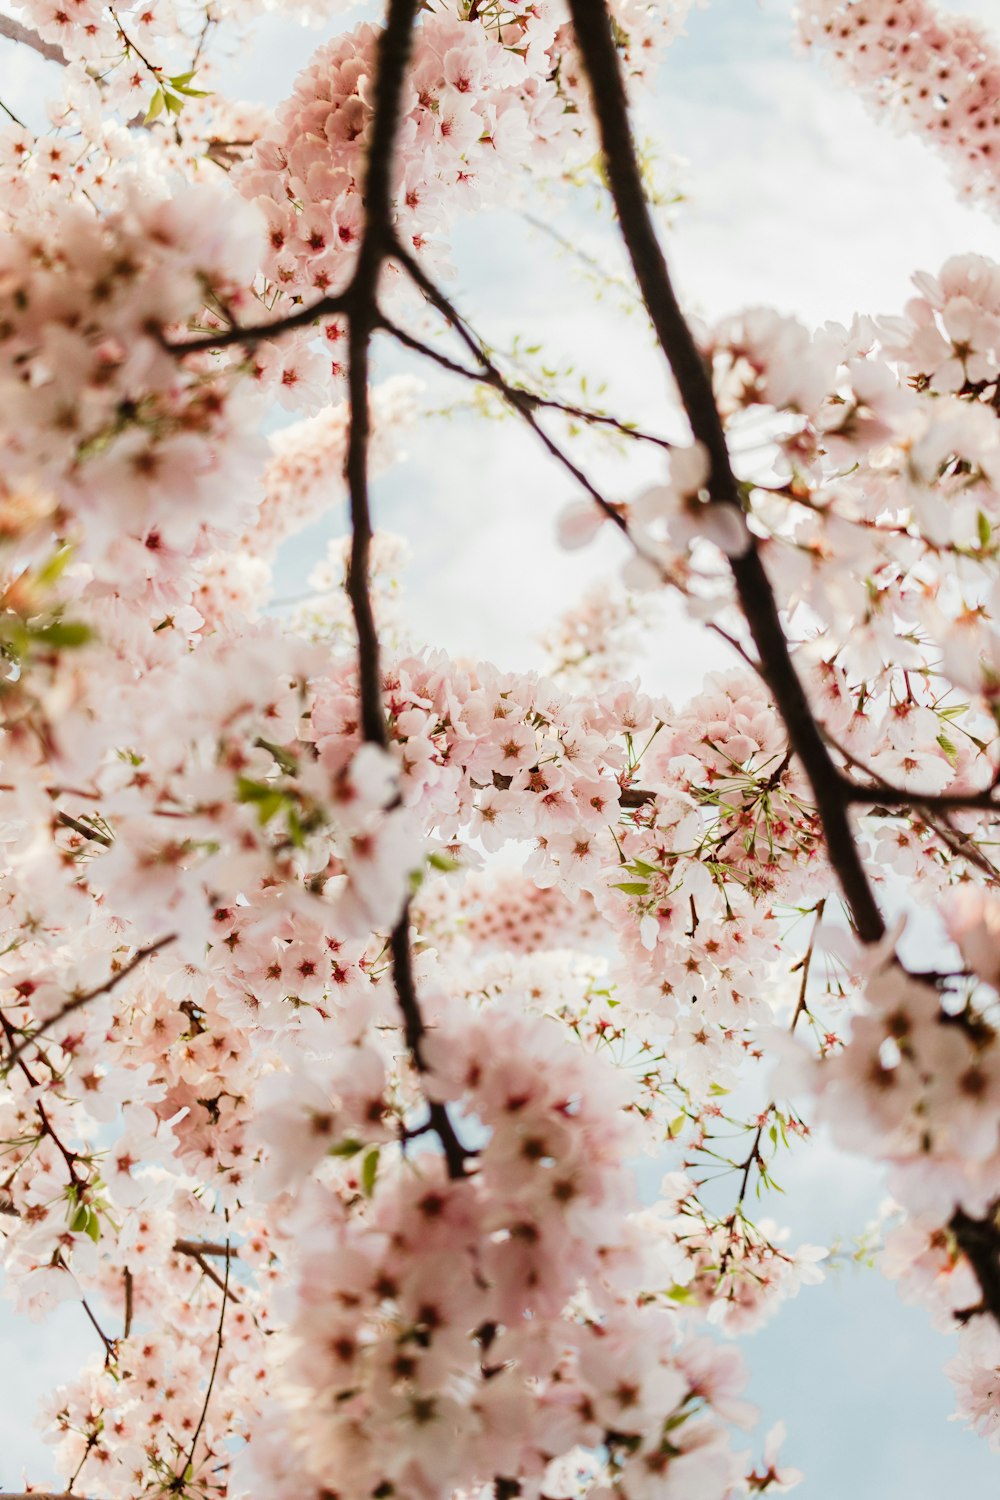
797, 198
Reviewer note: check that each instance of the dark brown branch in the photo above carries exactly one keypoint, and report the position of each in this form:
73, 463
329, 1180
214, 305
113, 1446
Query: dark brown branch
258, 332
12, 116
110, 1349
801, 1006
207, 1269
979, 1242
84, 829
69, 1157
960, 843
979, 1239
595, 40
205, 1247
635, 796
376, 245
455, 1153
358, 592
200, 1250
151, 68
883, 795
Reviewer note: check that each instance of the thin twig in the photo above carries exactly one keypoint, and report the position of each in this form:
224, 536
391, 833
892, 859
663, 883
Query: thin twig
258, 332
800, 1007
79, 1001
211, 1379
222, 1282
84, 829
522, 402
109, 1344
12, 116
518, 396
205, 1247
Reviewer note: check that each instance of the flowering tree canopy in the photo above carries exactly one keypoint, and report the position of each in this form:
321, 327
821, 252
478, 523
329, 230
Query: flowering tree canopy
345, 985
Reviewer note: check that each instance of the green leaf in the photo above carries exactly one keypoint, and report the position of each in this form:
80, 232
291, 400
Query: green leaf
248, 790
631, 887
282, 757
51, 572
64, 635
345, 1148
295, 830
948, 747
681, 1294
444, 862
369, 1171
173, 103
155, 107
268, 799
983, 529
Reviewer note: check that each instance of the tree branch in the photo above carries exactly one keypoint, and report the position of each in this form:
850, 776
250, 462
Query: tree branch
361, 299
14, 31
521, 401
517, 396
226, 338
979, 1239
205, 1247
211, 1379
980, 1244
84, 829
595, 40
887, 796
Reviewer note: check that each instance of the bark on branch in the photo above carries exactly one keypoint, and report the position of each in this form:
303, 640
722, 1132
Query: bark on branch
361, 303
597, 47
14, 31
833, 792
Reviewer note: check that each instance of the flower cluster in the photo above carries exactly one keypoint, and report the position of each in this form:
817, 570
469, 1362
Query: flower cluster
328, 1051
453, 1333
935, 74
112, 435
